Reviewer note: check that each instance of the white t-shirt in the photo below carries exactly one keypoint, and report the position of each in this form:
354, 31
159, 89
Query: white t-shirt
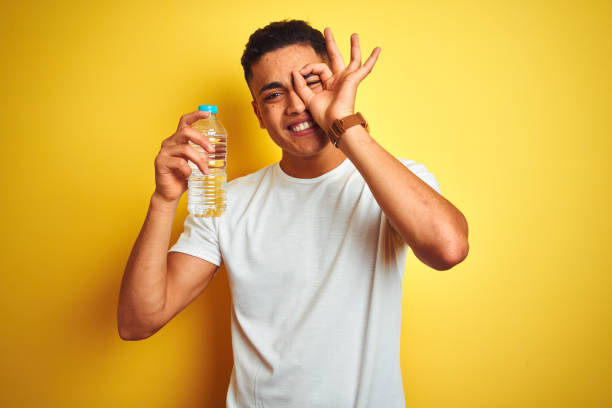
315, 273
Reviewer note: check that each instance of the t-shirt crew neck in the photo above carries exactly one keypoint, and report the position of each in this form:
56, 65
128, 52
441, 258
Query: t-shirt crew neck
340, 169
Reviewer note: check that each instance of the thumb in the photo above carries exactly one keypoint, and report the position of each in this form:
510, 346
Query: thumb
303, 90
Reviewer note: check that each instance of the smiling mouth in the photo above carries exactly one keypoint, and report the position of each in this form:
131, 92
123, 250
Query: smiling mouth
303, 126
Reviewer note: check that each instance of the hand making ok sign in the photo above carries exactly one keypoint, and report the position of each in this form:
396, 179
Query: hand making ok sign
337, 99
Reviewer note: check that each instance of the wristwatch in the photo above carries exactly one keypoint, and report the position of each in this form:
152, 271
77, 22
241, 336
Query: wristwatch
339, 126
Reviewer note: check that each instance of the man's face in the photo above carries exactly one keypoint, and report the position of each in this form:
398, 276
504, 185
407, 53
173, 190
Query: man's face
279, 108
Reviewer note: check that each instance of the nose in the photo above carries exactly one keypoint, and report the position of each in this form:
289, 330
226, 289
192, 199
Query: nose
295, 104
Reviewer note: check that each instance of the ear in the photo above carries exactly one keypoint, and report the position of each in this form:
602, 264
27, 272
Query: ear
256, 110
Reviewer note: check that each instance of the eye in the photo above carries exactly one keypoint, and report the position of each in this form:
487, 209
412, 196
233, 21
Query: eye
271, 96
313, 83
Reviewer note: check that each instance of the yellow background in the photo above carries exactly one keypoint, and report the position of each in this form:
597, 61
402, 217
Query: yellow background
508, 103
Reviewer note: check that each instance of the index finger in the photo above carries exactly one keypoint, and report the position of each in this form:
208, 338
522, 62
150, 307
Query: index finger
192, 117
335, 57
303, 91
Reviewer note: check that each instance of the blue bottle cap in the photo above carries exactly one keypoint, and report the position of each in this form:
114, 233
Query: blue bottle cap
208, 108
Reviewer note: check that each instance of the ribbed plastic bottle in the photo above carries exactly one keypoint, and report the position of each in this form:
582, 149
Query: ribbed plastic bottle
206, 194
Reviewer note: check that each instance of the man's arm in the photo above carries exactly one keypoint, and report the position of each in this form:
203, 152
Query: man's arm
436, 231
157, 285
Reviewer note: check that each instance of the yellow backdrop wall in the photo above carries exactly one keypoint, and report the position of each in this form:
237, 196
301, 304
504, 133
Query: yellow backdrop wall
507, 103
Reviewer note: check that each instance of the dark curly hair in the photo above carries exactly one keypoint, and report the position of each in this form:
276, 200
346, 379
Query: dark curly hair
277, 35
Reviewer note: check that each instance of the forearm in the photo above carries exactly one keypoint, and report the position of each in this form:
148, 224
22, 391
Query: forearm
430, 224
143, 289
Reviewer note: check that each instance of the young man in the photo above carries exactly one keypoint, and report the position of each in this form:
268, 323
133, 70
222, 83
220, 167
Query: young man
315, 245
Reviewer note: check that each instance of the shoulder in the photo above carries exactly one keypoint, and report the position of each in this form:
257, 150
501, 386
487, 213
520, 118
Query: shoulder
244, 193
412, 165
422, 172
251, 179
243, 188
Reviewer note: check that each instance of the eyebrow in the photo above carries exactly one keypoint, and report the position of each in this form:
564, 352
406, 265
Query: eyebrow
276, 84
270, 85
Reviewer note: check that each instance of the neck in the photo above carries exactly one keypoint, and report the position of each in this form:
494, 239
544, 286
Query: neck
314, 166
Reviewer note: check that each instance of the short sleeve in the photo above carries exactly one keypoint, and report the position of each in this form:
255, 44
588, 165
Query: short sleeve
421, 172
200, 239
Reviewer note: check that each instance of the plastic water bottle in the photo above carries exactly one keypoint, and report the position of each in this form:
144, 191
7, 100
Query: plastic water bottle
206, 195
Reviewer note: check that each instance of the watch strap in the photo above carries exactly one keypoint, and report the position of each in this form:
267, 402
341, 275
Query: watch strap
339, 126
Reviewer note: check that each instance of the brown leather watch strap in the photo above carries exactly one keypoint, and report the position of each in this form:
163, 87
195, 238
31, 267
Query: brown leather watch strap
339, 126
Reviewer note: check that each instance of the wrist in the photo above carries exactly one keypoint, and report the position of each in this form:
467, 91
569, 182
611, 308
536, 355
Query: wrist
353, 139
345, 123
331, 117
160, 204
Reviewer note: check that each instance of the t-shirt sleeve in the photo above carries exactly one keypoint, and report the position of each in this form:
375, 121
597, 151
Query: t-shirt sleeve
200, 239
421, 171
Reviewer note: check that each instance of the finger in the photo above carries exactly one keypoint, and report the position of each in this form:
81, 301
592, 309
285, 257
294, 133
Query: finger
192, 117
355, 53
187, 152
179, 166
369, 64
321, 69
189, 134
166, 164
171, 140
335, 57
301, 88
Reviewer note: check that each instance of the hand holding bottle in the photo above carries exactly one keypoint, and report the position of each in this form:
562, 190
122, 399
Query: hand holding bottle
171, 167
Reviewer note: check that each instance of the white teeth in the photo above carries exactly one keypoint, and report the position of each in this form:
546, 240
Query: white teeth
302, 126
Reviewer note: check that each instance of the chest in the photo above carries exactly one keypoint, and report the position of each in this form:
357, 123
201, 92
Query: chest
295, 240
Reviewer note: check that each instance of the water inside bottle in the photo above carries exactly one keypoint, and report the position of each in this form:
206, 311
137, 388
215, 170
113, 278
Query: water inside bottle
207, 191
